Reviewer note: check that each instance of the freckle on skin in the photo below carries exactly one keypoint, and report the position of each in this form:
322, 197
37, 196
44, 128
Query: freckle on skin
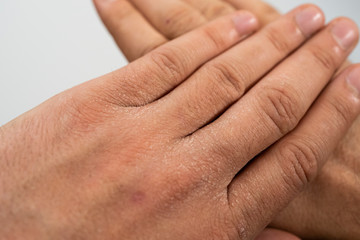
138, 197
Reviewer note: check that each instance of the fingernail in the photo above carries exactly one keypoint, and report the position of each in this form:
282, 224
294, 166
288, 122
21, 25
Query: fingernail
309, 20
354, 79
344, 33
245, 23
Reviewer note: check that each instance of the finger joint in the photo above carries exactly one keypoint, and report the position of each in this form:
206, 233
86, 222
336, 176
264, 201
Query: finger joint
300, 160
167, 62
281, 107
277, 39
230, 78
324, 58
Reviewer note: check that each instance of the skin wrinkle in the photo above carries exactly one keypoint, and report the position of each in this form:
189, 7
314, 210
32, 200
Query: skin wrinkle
141, 155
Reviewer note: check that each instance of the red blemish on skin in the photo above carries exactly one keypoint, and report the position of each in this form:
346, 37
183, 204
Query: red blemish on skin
167, 21
138, 197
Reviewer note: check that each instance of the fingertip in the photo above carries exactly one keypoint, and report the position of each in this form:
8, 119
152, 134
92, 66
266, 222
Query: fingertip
314, 6
309, 19
307, 6
345, 32
245, 22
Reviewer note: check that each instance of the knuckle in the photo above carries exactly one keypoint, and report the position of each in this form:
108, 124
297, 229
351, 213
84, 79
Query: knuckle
167, 62
325, 58
182, 20
216, 9
278, 40
232, 79
300, 161
281, 107
214, 35
343, 111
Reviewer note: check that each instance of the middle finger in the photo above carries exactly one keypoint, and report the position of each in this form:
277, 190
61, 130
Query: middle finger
222, 81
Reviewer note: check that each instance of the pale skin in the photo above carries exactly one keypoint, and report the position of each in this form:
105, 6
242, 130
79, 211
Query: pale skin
158, 149
335, 192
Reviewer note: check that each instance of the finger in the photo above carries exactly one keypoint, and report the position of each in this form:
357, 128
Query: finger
172, 18
274, 234
346, 64
274, 106
158, 72
286, 168
211, 9
222, 81
128, 28
265, 12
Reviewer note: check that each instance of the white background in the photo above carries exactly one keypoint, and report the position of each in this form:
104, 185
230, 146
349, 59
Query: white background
47, 46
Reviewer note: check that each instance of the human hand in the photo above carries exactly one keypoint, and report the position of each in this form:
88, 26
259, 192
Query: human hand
168, 19
174, 18
332, 200
154, 150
